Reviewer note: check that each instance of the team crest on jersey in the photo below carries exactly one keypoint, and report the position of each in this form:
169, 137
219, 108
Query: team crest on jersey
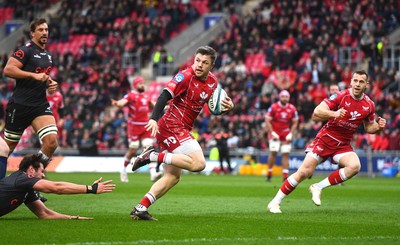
354, 115
203, 96
19, 54
179, 77
333, 96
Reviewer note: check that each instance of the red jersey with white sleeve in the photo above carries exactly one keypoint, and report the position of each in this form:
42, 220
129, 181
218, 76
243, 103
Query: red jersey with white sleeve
189, 94
139, 107
56, 102
358, 111
281, 117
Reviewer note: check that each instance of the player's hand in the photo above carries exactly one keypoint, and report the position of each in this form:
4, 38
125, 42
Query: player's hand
340, 113
52, 86
42, 77
289, 137
60, 123
274, 135
381, 123
105, 186
77, 217
113, 102
152, 126
227, 103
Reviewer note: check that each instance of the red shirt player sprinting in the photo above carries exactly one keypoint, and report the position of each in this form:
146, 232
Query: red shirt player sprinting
345, 112
186, 93
56, 102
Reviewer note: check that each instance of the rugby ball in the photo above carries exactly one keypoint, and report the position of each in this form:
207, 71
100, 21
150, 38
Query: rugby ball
214, 103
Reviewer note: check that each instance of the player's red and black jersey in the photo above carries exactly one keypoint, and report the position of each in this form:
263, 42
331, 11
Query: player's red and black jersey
31, 92
15, 189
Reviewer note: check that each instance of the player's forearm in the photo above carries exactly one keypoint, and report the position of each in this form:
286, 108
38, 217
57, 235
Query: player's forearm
64, 188
323, 113
373, 128
16, 73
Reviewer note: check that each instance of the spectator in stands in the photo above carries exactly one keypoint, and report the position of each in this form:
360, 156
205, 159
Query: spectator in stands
223, 150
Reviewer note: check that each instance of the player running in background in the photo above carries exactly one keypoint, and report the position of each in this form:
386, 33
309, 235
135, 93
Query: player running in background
345, 112
139, 105
281, 122
56, 102
21, 186
30, 66
188, 91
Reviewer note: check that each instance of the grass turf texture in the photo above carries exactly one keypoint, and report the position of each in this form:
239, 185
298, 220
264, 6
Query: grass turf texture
215, 210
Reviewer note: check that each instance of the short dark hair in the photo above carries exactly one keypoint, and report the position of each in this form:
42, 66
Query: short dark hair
207, 50
361, 72
33, 160
37, 22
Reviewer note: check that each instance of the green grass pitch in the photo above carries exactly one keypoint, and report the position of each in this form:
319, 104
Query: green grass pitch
215, 210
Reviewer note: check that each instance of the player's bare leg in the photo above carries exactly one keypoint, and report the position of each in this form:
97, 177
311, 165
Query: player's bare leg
285, 165
127, 159
271, 163
352, 166
194, 162
306, 169
170, 178
46, 129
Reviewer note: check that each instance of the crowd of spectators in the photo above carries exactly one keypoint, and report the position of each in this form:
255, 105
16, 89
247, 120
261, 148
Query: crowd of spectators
298, 43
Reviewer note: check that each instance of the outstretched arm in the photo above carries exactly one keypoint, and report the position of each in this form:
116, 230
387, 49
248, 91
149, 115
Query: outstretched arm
98, 187
119, 103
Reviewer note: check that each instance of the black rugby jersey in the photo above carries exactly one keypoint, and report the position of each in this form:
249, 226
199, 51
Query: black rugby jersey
31, 92
15, 189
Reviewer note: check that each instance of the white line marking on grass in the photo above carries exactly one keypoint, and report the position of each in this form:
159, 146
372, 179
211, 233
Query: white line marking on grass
244, 239
337, 238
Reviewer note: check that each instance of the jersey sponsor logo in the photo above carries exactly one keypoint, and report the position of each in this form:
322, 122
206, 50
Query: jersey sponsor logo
51, 61
211, 85
48, 109
354, 115
179, 77
333, 96
347, 104
19, 54
37, 56
196, 85
365, 108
